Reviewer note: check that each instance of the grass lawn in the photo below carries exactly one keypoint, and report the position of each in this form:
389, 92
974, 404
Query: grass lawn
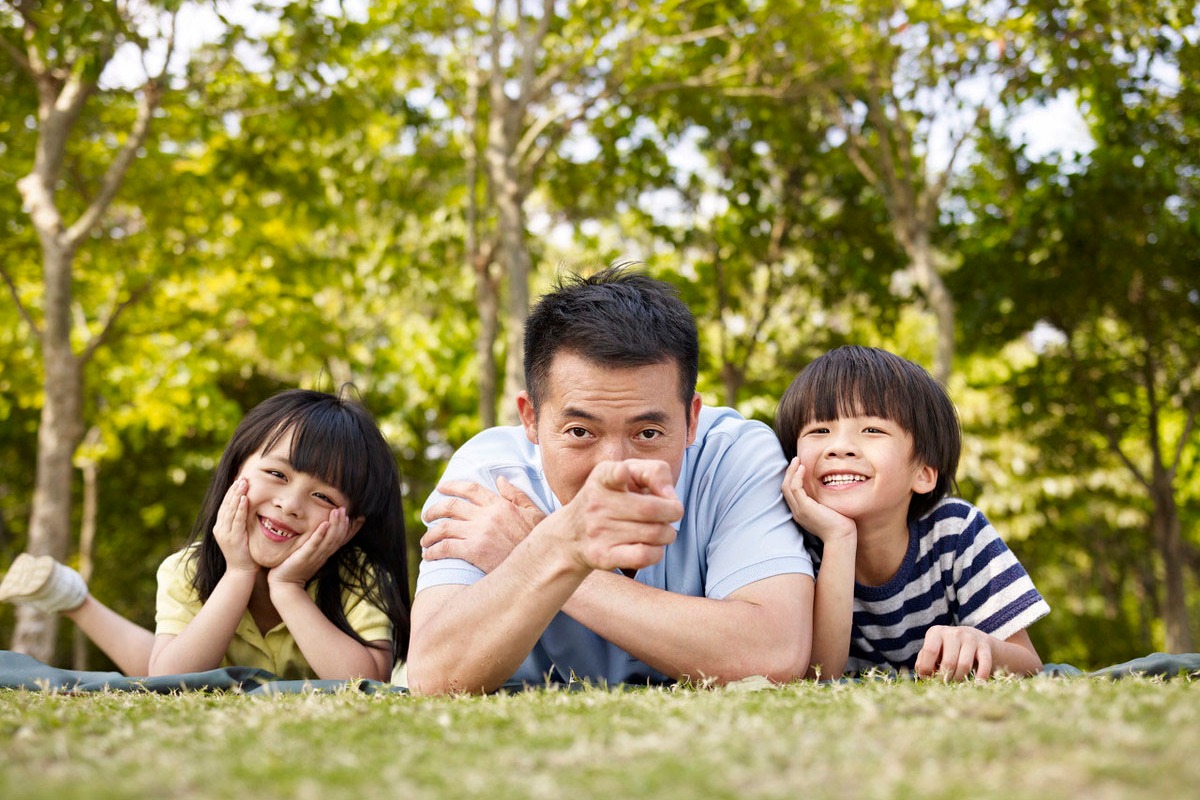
1039, 738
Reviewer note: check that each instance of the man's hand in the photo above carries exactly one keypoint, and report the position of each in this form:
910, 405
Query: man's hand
621, 518
477, 525
950, 651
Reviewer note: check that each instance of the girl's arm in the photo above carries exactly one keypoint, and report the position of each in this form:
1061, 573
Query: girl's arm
332, 653
203, 643
833, 603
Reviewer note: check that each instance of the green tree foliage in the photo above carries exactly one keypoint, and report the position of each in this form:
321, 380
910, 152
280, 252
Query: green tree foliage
1101, 250
315, 204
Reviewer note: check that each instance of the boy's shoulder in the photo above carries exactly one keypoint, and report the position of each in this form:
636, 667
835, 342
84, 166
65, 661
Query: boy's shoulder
952, 524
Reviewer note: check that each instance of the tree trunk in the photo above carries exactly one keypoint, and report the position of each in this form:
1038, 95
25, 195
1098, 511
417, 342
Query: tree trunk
1167, 536
87, 544
513, 255
939, 301
59, 433
488, 306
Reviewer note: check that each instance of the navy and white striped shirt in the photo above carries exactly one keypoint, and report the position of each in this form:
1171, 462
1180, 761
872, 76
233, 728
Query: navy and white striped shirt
957, 571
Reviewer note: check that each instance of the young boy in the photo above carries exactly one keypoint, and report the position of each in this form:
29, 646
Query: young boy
908, 578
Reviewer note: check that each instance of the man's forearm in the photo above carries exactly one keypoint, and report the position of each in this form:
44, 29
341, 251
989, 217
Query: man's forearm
761, 629
473, 638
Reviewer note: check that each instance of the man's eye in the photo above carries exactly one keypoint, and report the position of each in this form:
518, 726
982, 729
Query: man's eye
578, 433
649, 434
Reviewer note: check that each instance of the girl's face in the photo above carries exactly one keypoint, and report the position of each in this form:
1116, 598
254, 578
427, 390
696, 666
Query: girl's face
863, 468
285, 505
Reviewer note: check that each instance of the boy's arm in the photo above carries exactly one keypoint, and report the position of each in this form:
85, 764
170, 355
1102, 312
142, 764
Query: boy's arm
833, 608
833, 605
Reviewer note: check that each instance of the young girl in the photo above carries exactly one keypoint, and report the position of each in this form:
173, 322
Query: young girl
297, 563
908, 578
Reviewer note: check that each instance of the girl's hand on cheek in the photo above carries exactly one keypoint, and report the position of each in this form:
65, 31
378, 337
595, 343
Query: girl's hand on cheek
230, 528
821, 521
327, 539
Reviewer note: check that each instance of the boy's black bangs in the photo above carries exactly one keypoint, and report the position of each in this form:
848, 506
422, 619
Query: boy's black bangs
849, 390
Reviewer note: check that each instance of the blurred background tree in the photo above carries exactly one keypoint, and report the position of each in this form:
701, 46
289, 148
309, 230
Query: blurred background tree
319, 193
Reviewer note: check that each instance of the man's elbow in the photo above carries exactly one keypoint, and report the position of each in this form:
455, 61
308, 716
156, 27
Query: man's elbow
786, 661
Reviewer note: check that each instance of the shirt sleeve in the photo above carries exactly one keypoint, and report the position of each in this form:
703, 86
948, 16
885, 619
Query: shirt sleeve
495, 452
995, 594
753, 535
177, 602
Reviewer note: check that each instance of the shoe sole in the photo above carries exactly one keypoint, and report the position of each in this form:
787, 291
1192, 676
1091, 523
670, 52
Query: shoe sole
27, 576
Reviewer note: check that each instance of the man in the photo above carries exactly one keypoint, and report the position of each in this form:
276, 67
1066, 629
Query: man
621, 533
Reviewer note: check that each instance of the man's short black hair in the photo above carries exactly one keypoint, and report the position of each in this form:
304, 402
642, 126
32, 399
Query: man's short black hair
617, 318
867, 381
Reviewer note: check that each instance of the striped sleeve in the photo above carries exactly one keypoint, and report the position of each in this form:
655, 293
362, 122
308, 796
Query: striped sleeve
995, 594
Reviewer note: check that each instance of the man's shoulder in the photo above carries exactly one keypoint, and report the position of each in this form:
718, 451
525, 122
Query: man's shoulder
723, 423
499, 444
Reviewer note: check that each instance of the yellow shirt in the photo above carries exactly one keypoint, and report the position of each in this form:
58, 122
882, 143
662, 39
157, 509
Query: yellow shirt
276, 651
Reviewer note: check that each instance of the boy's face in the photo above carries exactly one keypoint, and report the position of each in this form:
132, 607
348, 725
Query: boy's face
863, 468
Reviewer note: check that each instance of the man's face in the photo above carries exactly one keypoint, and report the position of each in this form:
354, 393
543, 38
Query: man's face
592, 413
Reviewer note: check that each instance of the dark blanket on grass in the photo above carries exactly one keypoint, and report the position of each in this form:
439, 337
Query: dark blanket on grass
19, 671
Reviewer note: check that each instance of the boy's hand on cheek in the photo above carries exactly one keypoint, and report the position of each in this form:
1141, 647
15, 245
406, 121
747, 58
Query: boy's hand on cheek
821, 521
951, 651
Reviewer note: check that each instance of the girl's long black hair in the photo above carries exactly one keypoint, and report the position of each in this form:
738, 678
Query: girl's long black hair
335, 439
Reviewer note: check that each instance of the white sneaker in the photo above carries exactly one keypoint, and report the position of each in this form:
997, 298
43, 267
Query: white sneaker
43, 583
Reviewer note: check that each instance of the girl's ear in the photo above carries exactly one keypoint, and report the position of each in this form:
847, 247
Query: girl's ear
924, 479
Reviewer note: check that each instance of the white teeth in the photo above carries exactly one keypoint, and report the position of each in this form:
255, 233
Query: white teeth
267, 524
841, 480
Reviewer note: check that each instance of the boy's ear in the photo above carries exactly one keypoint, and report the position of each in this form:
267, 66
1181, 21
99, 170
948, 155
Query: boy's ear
924, 479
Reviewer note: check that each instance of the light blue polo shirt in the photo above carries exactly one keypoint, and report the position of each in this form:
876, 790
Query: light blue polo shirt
736, 530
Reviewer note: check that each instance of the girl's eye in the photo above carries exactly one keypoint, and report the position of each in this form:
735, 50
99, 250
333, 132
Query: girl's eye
811, 431
274, 473
324, 498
